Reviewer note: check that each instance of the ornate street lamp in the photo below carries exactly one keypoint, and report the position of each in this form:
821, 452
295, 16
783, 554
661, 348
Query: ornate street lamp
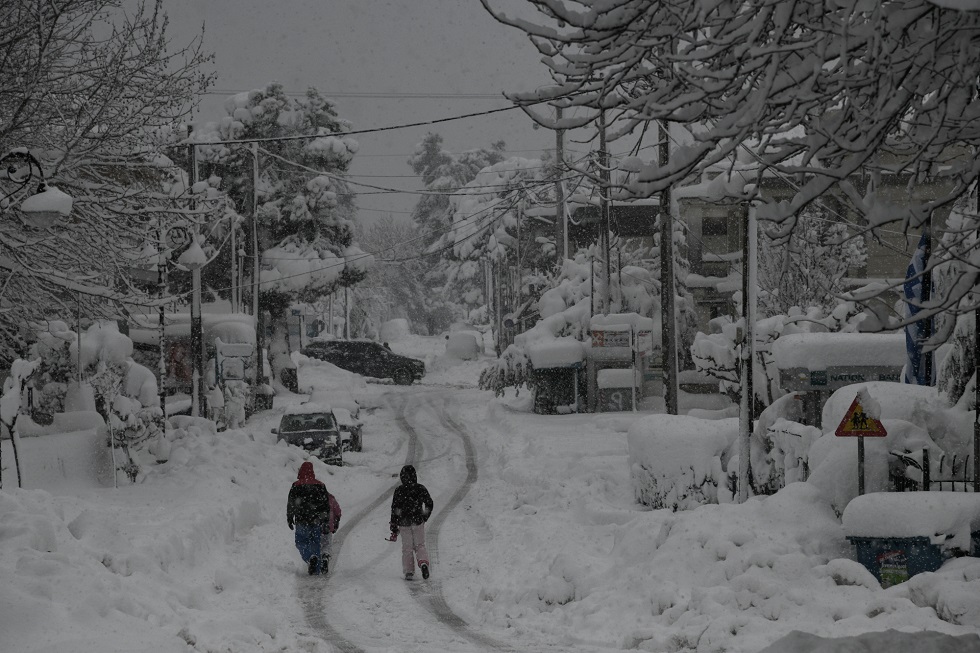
48, 205
194, 259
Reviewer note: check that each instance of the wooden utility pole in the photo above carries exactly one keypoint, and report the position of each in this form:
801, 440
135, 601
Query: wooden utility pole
605, 220
976, 381
197, 331
256, 267
745, 415
668, 323
561, 222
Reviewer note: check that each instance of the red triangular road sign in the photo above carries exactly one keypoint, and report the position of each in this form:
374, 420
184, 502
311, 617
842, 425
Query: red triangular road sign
857, 423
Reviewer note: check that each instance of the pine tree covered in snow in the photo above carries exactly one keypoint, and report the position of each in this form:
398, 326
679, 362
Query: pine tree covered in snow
490, 223
305, 205
443, 173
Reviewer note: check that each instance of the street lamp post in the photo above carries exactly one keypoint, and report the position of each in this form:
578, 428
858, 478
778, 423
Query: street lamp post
169, 238
47, 205
42, 210
194, 259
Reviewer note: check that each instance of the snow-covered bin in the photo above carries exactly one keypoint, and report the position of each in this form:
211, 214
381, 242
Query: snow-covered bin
678, 462
617, 387
555, 364
901, 534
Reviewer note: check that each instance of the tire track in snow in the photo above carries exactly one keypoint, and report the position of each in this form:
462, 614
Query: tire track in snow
312, 594
429, 593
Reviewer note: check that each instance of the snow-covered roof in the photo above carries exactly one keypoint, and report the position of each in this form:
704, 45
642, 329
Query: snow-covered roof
818, 351
344, 417
308, 408
608, 322
618, 378
556, 352
943, 517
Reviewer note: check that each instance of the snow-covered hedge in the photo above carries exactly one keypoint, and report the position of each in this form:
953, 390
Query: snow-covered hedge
678, 462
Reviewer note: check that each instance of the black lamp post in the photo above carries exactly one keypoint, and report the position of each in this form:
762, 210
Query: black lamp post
47, 205
43, 209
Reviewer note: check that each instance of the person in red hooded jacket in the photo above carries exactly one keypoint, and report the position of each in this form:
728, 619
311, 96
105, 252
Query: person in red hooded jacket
312, 512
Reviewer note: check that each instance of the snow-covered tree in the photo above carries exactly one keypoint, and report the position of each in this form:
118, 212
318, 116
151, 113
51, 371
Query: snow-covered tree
490, 222
397, 278
305, 205
719, 354
566, 307
806, 269
442, 174
956, 272
821, 93
96, 95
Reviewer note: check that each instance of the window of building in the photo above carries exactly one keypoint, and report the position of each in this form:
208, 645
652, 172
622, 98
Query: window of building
714, 226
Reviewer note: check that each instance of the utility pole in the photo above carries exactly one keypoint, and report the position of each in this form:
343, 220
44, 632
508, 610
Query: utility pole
347, 312
929, 358
605, 211
745, 417
197, 335
976, 380
561, 221
161, 289
256, 307
668, 322
519, 291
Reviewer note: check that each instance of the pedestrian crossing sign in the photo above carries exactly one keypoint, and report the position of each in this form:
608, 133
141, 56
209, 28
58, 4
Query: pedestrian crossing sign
857, 423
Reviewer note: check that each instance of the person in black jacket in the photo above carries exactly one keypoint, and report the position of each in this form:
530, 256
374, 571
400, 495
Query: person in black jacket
410, 509
308, 509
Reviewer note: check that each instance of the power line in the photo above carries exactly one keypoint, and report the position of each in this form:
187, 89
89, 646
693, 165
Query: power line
384, 189
374, 130
395, 95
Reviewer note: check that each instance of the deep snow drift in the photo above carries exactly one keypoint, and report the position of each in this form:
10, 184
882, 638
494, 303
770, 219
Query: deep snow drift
549, 546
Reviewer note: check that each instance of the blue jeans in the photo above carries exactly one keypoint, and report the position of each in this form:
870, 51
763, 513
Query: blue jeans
308, 543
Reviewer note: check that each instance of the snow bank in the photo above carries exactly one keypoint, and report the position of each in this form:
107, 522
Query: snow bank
946, 518
818, 351
834, 460
676, 461
894, 641
464, 345
904, 401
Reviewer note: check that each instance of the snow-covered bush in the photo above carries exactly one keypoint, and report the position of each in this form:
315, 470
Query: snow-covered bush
718, 354
127, 393
780, 446
678, 462
53, 347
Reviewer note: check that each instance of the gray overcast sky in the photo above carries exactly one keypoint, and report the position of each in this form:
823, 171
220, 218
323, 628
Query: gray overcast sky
448, 47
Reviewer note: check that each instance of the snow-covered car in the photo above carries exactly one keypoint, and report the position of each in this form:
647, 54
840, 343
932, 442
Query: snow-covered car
350, 429
313, 428
367, 358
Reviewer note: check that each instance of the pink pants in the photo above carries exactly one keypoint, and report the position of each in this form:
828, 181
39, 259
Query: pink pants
413, 546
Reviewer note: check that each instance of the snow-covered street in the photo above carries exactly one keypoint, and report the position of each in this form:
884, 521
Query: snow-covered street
536, 543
